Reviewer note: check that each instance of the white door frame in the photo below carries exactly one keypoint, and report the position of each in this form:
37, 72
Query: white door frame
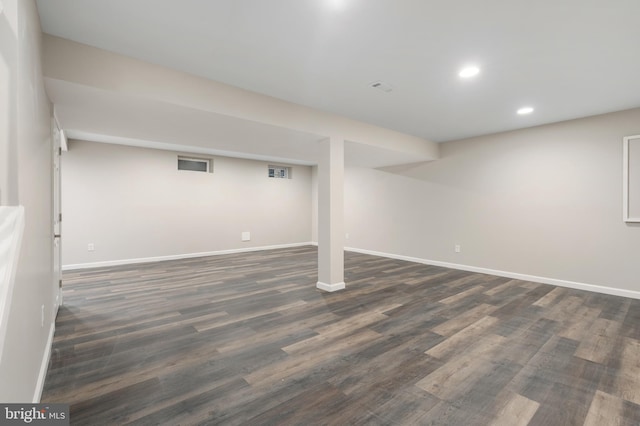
58, 142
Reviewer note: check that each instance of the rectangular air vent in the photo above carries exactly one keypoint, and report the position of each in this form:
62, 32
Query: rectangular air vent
194, 164
280, 172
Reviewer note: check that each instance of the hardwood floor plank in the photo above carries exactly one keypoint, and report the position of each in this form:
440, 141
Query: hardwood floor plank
551, 297
544, 368
605, 409
398, 369
329, 334
461, 321
405, 407
530, 339
580, 324
497, 289
517, 411
462, 295
446, 413
571, 412
464, 338
631, 323
247, 339
454, 377
627, 384
600, 341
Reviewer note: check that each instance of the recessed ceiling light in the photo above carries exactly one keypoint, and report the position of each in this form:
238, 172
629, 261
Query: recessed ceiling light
336, 4
469, 72
525, 110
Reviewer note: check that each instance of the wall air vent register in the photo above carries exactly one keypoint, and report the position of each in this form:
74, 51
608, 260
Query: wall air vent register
195, 164
280, 172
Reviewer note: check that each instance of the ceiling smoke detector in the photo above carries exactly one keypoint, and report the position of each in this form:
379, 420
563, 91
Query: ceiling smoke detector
381, 85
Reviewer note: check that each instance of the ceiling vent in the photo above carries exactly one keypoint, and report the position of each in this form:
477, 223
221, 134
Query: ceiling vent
381, 85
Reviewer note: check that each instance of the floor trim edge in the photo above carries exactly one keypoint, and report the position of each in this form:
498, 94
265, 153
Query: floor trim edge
524, 277
44, 366
119, 262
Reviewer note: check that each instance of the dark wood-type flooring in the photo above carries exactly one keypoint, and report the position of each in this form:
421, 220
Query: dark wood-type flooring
247, 339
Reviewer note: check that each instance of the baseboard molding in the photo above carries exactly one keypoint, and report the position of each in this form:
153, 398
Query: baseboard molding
514, 275
119, 262
44, 366
330, 287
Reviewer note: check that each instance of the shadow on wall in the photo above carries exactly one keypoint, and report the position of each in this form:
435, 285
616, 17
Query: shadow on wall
8, 146
406, 169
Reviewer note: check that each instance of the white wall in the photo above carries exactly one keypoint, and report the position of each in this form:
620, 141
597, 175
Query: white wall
544, 201
29, 157
8, 105
133, 203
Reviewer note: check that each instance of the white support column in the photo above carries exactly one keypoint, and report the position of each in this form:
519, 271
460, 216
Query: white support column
331, 215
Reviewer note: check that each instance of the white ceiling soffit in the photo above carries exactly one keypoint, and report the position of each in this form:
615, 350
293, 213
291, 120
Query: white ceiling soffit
82, 135
101, 116
567, 59
104, 116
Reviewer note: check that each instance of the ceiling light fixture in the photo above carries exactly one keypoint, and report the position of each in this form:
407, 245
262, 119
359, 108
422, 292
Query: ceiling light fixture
468, 72
525, 110
336, 4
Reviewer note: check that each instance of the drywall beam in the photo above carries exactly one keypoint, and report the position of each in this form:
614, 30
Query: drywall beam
331, 215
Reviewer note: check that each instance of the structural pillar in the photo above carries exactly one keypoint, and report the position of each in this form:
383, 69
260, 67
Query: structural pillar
331, 215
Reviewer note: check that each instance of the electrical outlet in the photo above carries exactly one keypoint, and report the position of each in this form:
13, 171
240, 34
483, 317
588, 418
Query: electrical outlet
245, 236
346, 236
90, 247
457, 248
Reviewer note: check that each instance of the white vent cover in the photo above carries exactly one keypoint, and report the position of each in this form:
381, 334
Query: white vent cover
280, 172
194, 164
381, 85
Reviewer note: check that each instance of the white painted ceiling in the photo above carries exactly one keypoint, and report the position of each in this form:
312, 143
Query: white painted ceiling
566, 58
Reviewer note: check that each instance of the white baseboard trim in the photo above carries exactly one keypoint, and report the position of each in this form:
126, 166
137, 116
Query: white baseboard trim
330, 287
44, 366
119, 262
514, 275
